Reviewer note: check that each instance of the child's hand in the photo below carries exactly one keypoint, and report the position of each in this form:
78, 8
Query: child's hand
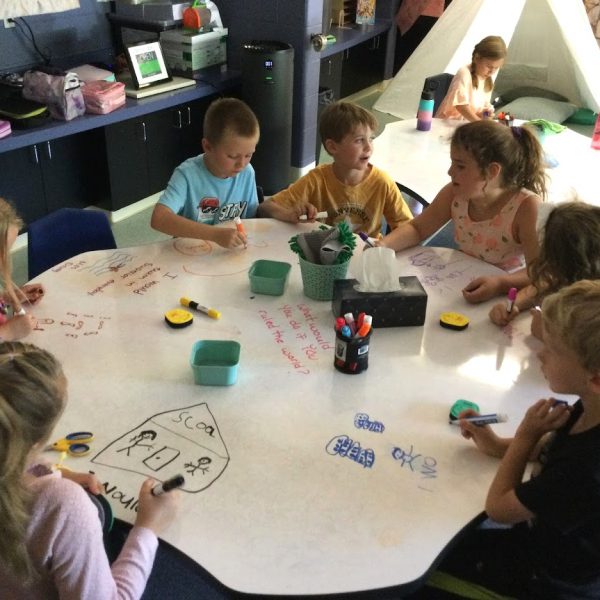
500, 315
33, 292
228, 237
18, 327
544, 416
307, 210
89, 481
536, 322
484, 437
156, 512
482, 289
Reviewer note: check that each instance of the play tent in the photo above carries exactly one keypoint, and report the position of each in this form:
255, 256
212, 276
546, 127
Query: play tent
550, 45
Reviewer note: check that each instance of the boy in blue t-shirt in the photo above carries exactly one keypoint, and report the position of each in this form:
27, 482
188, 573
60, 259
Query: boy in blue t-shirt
216, 186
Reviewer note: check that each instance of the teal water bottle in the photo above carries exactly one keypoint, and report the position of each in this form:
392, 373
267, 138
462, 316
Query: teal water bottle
425, 112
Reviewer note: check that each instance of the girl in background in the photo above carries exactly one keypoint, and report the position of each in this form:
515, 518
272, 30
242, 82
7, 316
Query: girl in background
569, 252
14, 322
497, 183
51, 544
470, 91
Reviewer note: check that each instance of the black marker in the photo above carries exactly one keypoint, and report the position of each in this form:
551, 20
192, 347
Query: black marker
168, 485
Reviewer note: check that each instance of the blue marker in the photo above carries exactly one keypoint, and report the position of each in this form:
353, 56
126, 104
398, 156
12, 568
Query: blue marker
346, 331
481, 420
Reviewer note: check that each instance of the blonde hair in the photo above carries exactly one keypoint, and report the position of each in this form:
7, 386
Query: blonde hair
572, 315
491, 47
341, 118
8, 218
516, 149
229, 115
32, 389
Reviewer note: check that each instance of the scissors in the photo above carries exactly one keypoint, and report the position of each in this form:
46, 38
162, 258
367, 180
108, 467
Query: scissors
75, 444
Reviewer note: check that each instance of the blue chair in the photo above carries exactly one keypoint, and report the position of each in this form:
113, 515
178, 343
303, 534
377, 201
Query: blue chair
65, 233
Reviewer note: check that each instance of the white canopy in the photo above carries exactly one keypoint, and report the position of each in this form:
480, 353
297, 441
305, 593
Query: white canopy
550, 45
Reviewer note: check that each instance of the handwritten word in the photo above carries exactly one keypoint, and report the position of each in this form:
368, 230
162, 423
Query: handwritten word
135, 270
344, 446
101, 287
142, 290
201, 425
112, 492
312, 326
67, 265
361, 421
294, 361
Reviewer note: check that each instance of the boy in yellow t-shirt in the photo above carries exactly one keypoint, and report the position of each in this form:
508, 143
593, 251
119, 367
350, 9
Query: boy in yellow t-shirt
350, 188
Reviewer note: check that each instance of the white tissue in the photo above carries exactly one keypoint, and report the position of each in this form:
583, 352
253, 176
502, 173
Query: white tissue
377, 271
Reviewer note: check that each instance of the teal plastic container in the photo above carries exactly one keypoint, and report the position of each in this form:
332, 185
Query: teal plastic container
215, 362
269, 277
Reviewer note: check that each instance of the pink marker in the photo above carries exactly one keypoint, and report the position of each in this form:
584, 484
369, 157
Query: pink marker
512, 296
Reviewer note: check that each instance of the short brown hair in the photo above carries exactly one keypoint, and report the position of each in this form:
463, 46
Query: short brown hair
229, 115
341, 118
572, 315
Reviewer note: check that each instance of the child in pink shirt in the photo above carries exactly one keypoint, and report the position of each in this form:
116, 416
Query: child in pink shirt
51, 544
470, 91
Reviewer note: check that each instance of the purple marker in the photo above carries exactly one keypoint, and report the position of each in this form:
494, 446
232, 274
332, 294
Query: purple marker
365, 238
512, 296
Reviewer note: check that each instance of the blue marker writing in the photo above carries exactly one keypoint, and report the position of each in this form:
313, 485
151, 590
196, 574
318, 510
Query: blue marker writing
481, 420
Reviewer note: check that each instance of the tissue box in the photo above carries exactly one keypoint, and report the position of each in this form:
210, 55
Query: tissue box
404, 307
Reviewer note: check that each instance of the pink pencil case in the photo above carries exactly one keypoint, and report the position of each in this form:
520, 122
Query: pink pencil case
102, 97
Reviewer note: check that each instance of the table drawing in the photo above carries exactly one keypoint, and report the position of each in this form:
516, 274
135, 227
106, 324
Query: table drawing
419, 160
305, 480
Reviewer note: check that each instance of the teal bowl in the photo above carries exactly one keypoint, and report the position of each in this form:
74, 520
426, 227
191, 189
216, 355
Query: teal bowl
215, 362
269, 277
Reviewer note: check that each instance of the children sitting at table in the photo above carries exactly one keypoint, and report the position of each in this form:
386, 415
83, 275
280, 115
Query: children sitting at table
497, 182
15, 323
216, 186
51, 544
470, 92
569, 252
350, 188
552, 549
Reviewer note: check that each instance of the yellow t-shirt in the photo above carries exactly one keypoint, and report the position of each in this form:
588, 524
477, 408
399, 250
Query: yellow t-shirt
364, 204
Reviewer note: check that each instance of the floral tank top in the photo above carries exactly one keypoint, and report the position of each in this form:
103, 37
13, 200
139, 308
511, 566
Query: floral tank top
490, 240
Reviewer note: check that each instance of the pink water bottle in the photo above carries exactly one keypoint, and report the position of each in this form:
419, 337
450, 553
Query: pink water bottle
596, 134
425, 112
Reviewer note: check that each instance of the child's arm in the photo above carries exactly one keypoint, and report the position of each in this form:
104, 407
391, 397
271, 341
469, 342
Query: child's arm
88, 481
33, 292
422, 226
275, 210
467, 112
502, 504
525, 299
165, 220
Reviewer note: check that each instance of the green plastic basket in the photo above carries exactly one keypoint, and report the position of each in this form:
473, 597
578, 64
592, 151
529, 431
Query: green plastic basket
269, 277
215, 362
317, 280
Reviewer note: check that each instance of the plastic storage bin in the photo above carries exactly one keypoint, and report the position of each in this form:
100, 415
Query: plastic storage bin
269, 277
215, 362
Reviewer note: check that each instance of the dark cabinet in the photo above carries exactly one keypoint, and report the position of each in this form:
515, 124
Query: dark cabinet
48, 175
355, 68
143, 152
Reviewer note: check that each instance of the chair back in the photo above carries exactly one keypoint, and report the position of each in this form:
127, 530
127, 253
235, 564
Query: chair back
65, 233
439, 85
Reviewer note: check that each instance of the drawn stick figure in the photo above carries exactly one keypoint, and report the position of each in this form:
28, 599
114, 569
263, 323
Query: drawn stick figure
201, 464
138, 439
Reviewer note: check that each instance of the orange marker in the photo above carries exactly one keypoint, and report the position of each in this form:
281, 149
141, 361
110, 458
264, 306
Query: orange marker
365, 327
240, 227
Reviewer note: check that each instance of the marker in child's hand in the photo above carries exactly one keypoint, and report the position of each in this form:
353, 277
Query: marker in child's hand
365, 238
320, 215
512, 296
240, 227
481, 420
168, 485
20, 312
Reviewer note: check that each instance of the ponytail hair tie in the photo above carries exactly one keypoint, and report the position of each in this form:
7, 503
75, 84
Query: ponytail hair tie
517, 131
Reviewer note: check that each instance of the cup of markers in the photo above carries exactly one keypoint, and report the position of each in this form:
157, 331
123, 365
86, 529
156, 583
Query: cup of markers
352, 338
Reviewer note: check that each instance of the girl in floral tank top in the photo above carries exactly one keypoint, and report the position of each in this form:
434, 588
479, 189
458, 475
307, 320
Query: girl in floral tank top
497, 182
